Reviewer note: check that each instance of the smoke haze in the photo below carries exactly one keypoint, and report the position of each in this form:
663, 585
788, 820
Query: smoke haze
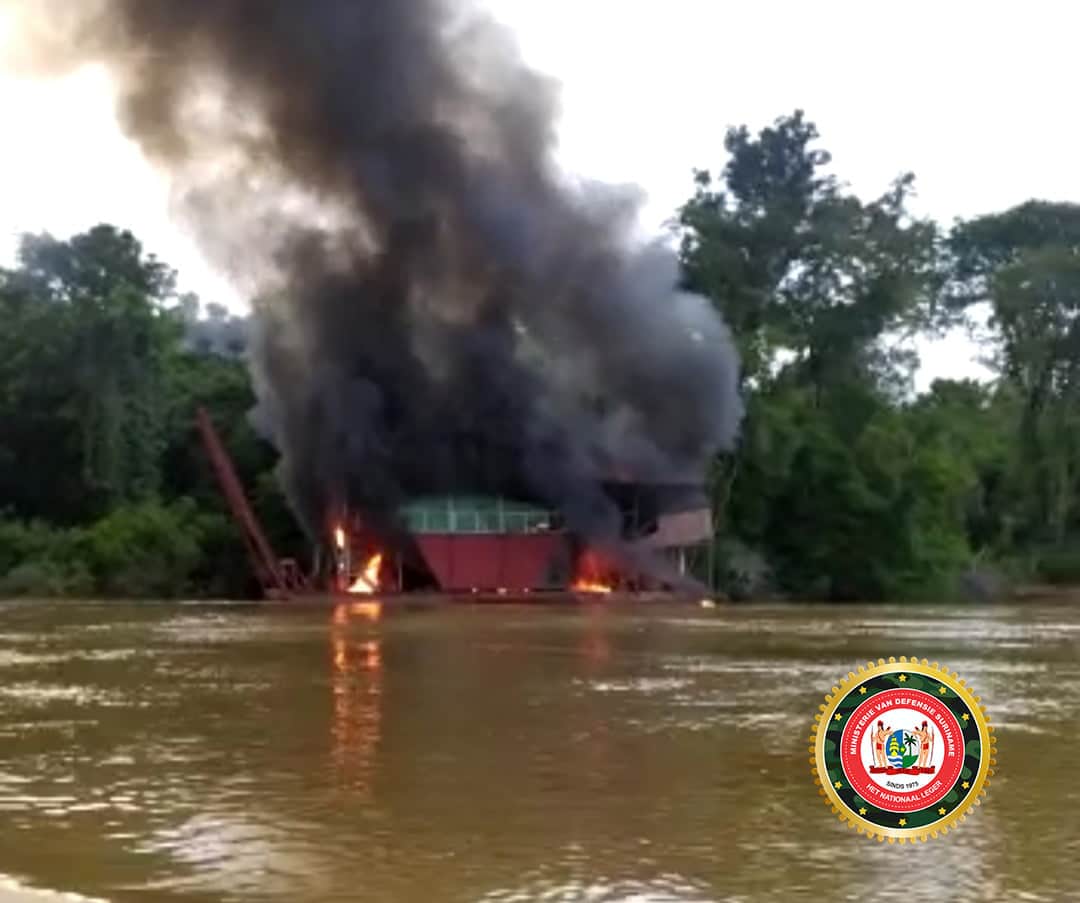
436, 307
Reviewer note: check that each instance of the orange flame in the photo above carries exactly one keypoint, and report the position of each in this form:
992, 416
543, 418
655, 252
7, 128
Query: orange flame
339, 537
592, 575
368, 581
591, 586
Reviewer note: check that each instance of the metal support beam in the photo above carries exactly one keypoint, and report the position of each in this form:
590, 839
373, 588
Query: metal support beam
262, 556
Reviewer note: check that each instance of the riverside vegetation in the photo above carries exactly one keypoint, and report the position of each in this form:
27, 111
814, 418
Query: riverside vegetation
846, 484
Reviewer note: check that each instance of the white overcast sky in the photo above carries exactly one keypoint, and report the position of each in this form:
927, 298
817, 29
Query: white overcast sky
975, 97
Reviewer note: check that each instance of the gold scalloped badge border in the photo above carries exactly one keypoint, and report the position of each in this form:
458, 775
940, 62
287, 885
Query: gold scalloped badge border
987, 761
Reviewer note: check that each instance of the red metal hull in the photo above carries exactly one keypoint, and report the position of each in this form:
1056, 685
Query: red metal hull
489, 562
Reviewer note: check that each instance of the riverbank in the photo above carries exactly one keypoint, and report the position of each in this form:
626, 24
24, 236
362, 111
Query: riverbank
1033, 593
1046, 593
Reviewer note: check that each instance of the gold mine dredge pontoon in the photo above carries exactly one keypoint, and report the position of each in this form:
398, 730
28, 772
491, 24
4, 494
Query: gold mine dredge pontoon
476, 547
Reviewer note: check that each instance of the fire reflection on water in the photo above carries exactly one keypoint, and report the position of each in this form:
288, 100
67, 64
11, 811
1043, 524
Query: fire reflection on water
356, 684
595, 642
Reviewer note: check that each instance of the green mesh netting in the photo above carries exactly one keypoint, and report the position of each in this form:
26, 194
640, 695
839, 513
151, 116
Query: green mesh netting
476, 514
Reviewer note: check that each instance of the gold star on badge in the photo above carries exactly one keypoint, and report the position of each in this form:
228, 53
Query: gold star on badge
902, 678
965, 716
965, 785
942, 811
838, 716
903, 822
838, 785
943, 690
862, 690
862, 810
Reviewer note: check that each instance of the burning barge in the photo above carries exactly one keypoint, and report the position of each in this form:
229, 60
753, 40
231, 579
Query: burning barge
481, 548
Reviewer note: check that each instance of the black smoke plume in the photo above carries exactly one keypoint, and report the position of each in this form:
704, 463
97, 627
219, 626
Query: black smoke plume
436, 308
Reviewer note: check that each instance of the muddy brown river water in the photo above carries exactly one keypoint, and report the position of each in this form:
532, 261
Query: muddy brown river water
605, 753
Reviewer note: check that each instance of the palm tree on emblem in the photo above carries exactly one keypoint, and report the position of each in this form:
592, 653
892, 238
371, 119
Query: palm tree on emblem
910, 742
909, 759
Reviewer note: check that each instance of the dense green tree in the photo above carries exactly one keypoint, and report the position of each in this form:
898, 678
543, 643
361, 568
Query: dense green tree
803, 271
848, 501
970, 422
980, 247
817, 285
1025, 265
85, 347
1037, 312
103, 479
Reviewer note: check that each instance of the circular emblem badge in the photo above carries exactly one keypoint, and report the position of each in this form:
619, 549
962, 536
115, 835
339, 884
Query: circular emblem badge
902, 750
